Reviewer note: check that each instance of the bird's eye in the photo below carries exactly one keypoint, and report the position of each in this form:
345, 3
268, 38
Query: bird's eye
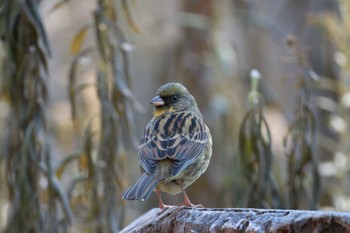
173, 98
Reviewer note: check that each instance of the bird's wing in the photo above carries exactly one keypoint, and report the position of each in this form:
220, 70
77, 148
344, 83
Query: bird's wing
179, 136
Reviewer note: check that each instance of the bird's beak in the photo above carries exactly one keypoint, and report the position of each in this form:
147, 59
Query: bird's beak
157, 101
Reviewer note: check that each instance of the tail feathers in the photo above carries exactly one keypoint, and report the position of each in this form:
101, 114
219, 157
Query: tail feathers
142, 189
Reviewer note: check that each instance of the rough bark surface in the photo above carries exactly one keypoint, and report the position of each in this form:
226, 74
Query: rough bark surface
239, 220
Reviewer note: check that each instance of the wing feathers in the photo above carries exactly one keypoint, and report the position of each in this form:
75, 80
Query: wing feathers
180, 136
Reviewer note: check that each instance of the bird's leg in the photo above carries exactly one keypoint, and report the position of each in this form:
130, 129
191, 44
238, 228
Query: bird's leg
187, 201
161, 203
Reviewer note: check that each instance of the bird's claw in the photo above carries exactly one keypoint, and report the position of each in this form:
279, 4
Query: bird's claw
192, 205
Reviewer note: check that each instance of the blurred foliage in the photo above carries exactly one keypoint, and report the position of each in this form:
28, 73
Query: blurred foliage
303, 184
301, 142
102, 158
336, 28
255, 154
36, 198
191, 55
211, 46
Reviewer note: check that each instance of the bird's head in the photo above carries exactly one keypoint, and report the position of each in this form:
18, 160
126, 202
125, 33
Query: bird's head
173, 97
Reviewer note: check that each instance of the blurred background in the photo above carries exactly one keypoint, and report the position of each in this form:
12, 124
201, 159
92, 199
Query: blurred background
270, 77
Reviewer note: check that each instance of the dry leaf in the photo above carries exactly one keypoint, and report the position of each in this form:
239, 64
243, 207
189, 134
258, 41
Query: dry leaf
78, 40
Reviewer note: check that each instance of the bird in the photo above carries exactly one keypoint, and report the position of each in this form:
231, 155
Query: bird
175, 149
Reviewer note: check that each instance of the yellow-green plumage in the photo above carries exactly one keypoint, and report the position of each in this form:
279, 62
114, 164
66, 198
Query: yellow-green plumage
176, 147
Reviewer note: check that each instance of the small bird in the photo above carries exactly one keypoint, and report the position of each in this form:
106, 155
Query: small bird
175, 149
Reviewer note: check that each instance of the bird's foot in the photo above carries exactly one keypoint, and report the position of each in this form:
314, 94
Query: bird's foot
192, 205
162, 206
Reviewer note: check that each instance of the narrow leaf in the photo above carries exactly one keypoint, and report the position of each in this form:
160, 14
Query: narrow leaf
129, 17
79, 39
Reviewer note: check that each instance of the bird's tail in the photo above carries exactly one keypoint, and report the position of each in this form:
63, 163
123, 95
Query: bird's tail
142, 189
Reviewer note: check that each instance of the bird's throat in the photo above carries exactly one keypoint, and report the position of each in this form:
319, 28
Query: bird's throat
160, 111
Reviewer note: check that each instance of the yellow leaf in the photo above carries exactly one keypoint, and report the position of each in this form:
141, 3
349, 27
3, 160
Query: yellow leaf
78, 40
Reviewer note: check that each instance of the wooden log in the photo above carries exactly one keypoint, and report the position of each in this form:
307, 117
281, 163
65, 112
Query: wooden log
183, 219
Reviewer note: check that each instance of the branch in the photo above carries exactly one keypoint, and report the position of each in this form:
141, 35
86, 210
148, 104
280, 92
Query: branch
185, 219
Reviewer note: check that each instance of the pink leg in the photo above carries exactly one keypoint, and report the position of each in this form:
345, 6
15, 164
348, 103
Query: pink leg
161, 204
187, 201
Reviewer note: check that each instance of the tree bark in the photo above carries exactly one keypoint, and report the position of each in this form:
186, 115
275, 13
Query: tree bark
203, 220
